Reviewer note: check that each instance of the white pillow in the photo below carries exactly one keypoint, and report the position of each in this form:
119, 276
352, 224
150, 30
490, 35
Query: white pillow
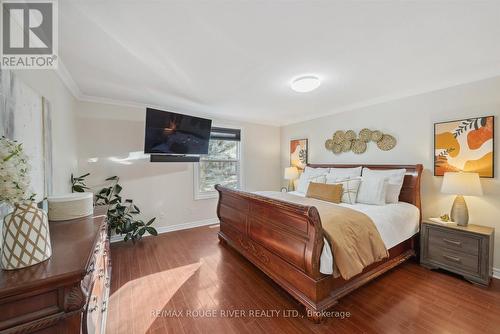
373, 190
350, 187
344, 173
305, 179
395, 178
316, 171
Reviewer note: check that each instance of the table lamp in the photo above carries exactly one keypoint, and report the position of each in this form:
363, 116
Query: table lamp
461, 184
291, 173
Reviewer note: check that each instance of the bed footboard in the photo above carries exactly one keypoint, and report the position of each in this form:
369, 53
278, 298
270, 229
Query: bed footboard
283, 239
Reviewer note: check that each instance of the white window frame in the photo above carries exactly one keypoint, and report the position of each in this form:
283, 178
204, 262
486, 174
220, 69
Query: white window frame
201, 195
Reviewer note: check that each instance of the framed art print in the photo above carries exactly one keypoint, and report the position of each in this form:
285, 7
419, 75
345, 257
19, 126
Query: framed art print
465, 145
298, 153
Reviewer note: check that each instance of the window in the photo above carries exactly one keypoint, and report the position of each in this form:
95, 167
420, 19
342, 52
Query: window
221, 165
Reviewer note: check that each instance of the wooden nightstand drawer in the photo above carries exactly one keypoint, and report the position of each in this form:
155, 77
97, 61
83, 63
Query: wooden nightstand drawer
454, 240
465, 263
464, 250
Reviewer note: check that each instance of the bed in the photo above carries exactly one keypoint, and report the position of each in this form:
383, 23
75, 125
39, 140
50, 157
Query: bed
286, 241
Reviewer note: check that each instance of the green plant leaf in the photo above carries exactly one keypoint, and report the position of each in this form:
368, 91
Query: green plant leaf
151, 221
114, 201
78, 189
151, 230
112, 178
127, 226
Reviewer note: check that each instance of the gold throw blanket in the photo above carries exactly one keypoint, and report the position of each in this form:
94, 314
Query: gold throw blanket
354, 238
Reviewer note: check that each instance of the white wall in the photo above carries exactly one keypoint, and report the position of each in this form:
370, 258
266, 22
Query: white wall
411, 121
48, 84
164, 190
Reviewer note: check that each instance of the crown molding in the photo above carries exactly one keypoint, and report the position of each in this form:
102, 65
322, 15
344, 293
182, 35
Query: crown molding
73, 87
67, 79
105, 100
397, 96
134, 104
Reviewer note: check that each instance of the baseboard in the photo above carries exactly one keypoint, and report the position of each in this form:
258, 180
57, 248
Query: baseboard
172, 228
496, 273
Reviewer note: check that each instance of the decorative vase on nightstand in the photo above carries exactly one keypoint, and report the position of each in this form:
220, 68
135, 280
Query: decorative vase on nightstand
460, 184
26, 237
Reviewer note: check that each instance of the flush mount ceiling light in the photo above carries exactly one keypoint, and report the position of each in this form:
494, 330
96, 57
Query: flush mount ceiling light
306, 83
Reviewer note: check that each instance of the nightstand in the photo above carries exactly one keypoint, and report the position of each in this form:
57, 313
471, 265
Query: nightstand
467, 251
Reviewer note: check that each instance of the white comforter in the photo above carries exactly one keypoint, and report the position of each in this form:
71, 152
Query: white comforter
395, 223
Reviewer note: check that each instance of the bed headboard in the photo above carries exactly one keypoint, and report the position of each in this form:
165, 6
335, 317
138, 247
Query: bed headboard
410, 192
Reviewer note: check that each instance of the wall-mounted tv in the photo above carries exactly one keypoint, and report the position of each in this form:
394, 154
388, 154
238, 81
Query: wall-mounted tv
171, 133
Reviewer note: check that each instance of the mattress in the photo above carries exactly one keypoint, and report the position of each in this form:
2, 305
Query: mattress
395, 222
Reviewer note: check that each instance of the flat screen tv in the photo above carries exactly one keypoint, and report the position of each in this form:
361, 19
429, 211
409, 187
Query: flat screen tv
171, 133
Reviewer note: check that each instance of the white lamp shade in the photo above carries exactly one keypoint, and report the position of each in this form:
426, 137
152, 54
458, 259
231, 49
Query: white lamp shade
462, 183
291, 173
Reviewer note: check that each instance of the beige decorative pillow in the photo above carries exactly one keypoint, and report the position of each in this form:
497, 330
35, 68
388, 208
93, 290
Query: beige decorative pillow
349, 188
325, 192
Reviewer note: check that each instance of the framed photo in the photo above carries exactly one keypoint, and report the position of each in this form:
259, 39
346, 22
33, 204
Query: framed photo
465, 145
298, 153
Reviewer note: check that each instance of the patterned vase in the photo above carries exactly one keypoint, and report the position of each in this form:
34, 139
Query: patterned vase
5, 209
26, 238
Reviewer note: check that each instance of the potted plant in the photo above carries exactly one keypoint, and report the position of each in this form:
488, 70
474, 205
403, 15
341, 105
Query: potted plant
122, 214
26, 238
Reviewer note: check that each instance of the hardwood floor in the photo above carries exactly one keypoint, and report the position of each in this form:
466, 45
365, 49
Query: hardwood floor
160, 283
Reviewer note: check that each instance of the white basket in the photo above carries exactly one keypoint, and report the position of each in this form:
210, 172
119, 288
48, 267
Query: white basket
70, 206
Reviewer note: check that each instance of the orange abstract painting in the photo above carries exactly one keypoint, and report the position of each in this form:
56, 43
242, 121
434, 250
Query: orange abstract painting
465, 145
298, 153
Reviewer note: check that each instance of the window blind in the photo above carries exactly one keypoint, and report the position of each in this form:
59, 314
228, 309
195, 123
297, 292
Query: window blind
225, 134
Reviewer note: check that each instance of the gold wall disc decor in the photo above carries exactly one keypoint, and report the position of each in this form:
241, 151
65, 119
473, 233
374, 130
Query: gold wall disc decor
345, 141
387, 143
376, 135
329, 144
346, 145
337, 148
365, 135
350, 135
338, 137
359, 146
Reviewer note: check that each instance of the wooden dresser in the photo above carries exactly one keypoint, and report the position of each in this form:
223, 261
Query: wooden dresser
467, 251
67, 293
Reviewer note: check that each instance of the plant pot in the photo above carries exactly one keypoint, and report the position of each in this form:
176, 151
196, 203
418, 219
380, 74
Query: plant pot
26, 237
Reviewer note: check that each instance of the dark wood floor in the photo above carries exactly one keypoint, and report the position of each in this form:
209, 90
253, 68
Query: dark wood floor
189, 271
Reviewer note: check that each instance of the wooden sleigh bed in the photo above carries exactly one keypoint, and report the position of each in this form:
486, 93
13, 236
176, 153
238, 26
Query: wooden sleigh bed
285, 241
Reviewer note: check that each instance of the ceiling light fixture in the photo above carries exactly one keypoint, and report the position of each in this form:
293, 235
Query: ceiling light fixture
306, 83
